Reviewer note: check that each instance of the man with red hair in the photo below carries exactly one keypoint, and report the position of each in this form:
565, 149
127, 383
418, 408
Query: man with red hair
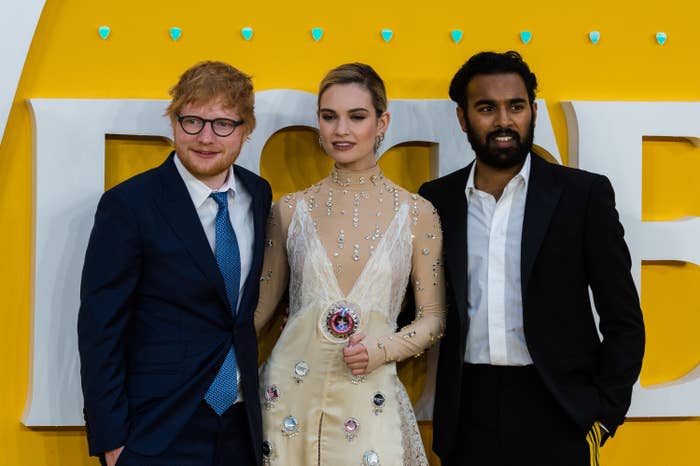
170, 282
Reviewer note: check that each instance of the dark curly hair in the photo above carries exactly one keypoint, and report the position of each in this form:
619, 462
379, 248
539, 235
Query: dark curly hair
491, 63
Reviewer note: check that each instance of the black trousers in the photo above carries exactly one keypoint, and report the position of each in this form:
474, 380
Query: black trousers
206, 440
509, 418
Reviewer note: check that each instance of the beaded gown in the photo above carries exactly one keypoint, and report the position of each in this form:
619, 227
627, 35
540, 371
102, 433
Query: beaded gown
348, 247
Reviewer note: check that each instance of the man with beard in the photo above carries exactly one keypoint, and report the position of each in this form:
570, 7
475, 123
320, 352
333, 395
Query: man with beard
167, 344
523, 376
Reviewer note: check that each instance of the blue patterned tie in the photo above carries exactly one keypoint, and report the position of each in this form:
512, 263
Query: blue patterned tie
224, 390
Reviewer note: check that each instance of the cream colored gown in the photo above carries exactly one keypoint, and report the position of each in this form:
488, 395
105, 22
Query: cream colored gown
348, 247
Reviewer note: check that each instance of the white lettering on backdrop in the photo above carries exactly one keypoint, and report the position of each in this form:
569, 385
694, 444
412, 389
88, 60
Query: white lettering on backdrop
18, 21
606, 137
69, 178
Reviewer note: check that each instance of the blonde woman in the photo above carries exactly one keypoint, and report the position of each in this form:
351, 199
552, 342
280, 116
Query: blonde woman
348, 247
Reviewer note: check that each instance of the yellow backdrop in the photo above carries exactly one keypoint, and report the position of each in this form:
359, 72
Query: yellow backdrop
67, 59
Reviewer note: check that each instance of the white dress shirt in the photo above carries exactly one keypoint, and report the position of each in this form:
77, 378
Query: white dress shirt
495, 307
240, 213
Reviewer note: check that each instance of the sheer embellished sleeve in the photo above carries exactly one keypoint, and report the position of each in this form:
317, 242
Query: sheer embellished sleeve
275, 271
428, 285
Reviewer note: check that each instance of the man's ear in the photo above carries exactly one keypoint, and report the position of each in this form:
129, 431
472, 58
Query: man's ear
462, 119
534, 112
245, 134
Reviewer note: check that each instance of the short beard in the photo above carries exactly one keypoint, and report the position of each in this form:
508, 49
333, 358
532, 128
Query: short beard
502, 158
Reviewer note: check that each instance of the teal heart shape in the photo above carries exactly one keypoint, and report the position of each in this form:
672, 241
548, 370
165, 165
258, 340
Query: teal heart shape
661, 38
387, 34
525, 37
104, 32
317, 33
456, 35
175, 33
247, 33
594, 36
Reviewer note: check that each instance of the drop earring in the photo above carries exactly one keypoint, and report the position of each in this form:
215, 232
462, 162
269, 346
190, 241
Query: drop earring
378, 142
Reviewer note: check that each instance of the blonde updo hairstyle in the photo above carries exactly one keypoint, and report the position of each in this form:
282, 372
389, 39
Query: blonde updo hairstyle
357, 73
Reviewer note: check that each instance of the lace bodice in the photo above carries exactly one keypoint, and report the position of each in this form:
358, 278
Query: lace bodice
356, 236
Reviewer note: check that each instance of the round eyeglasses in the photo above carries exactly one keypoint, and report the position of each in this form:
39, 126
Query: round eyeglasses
222, 127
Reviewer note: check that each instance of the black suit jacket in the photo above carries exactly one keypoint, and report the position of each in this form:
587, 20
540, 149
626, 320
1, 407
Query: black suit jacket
154, 323
571, 240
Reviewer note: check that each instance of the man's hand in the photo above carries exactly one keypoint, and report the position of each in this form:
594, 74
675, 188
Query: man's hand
112, 456
355, 355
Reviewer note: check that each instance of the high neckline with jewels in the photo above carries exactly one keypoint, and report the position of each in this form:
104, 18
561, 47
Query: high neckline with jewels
357, 178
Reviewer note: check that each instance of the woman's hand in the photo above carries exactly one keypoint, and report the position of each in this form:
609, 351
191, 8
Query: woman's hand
355, 355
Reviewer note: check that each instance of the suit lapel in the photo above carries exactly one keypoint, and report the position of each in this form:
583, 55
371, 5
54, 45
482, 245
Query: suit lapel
455, 236
542, 197
258, 233
176, 205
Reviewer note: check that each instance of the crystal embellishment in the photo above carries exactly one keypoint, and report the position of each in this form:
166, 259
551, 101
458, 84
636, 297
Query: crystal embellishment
104, 32
525, 37
386, 34
247, 33
370, 458
378, 402
351, 428
267, 452
341, 319
316, 34
267, 448
175, 33
301, 370
661, 38
290, 426
358, 379
272, 394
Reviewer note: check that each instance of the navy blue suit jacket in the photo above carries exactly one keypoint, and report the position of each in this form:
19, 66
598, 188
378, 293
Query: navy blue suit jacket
572, 240
154, 323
